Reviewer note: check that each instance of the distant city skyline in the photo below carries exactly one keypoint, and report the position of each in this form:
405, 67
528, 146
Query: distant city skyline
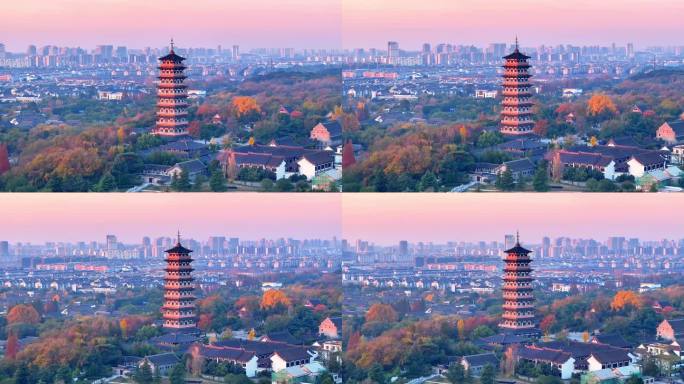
335, 24
206, 23
381, 219
535, 22
386, 219
49, 217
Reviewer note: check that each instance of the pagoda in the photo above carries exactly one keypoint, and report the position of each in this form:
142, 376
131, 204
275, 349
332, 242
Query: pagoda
172, 106
179, 301
516, 112
518, 307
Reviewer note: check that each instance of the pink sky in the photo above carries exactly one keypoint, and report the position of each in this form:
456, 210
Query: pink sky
381, 218
389, 218
333, 23
73, 217
413, 22
140, 23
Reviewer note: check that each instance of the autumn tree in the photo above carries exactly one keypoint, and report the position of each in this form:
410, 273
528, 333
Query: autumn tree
123, 324
23, 313
12, 347
4, 159
547, 323
194, 129
381, 312
460, 328
541, 127
463, 134
349, 122
245, 109
274, 298
601, 106
624, 299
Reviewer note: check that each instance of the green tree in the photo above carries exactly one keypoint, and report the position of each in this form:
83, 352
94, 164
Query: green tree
217, 182
549, 380
456, 373
380, 181
377, 374
267, 185
177, 375
429, 181
180, 182
541, 177
107, 183
143, 375
198, 183
284, 185
505, 181
488, 374
233, 378
21, 375
325, 378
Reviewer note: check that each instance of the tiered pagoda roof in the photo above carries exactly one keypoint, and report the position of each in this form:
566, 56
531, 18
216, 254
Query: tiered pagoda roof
518, 307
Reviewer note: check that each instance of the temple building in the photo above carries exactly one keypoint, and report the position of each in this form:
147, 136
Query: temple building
179, 300
172, 94
516, 112
518, 308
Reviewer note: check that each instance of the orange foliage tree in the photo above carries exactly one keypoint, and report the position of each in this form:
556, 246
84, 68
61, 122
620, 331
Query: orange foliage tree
274, 298
245, 108
382, 312
12, 347
599, 104
547, 322
624, 299
23, 313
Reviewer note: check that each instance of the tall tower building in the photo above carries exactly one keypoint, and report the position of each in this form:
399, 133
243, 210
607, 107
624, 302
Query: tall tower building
518, 307
172, 106
179, 301
516, 112
392, 52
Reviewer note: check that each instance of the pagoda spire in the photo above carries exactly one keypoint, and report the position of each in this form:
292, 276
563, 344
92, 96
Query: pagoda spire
172, 45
